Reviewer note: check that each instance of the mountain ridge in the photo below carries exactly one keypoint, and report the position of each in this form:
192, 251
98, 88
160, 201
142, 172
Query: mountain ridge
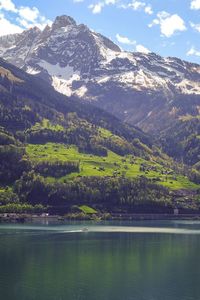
58, 151
141, 89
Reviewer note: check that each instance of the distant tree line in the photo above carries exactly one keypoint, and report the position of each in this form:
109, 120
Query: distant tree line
56, 169
106, 192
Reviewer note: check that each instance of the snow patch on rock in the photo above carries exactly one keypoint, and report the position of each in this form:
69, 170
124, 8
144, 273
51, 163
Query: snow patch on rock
56, 70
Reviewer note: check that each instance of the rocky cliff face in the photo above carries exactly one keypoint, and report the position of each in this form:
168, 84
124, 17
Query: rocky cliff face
146, 90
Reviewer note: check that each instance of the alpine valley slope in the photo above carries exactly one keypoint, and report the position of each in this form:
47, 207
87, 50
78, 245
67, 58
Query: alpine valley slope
146, 90
57, 152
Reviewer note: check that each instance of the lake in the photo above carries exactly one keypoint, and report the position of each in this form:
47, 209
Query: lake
100, 261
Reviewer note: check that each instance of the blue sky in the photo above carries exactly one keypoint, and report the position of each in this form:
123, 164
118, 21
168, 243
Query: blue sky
166, 27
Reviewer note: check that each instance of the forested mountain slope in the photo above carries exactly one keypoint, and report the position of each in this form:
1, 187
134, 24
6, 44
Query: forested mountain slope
57, 152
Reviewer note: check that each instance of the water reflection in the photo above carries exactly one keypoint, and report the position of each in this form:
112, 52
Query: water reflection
47, 264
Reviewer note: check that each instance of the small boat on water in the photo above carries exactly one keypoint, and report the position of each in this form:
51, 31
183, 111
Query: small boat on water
85, 229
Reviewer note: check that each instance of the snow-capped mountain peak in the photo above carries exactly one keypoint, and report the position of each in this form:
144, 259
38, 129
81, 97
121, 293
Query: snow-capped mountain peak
79, 61
63, 21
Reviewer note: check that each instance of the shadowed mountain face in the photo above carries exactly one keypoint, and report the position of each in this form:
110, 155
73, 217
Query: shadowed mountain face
143, 89
26, 99
182, 140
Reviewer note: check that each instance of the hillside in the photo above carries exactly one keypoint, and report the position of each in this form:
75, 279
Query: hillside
182, 140
29, 92
57, 152
153, 93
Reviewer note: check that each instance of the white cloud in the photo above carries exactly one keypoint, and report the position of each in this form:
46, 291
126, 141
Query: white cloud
124, 40
141, 48
77, 1
29, 14
29, 17
41, 25
148, 10
6, 27
195, 26
113, 2
7, 5
138, 5
169, 24
96, 8
195, 4
193, 52
25, 17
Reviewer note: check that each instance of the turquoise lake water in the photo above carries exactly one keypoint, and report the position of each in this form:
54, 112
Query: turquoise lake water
104, 261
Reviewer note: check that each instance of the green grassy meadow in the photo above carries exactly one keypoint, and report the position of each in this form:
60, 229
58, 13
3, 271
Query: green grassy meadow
111, 165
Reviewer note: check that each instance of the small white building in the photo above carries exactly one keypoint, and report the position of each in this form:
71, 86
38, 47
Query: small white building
176, 211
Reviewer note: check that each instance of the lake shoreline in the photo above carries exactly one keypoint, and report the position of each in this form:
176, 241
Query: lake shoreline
21, 218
